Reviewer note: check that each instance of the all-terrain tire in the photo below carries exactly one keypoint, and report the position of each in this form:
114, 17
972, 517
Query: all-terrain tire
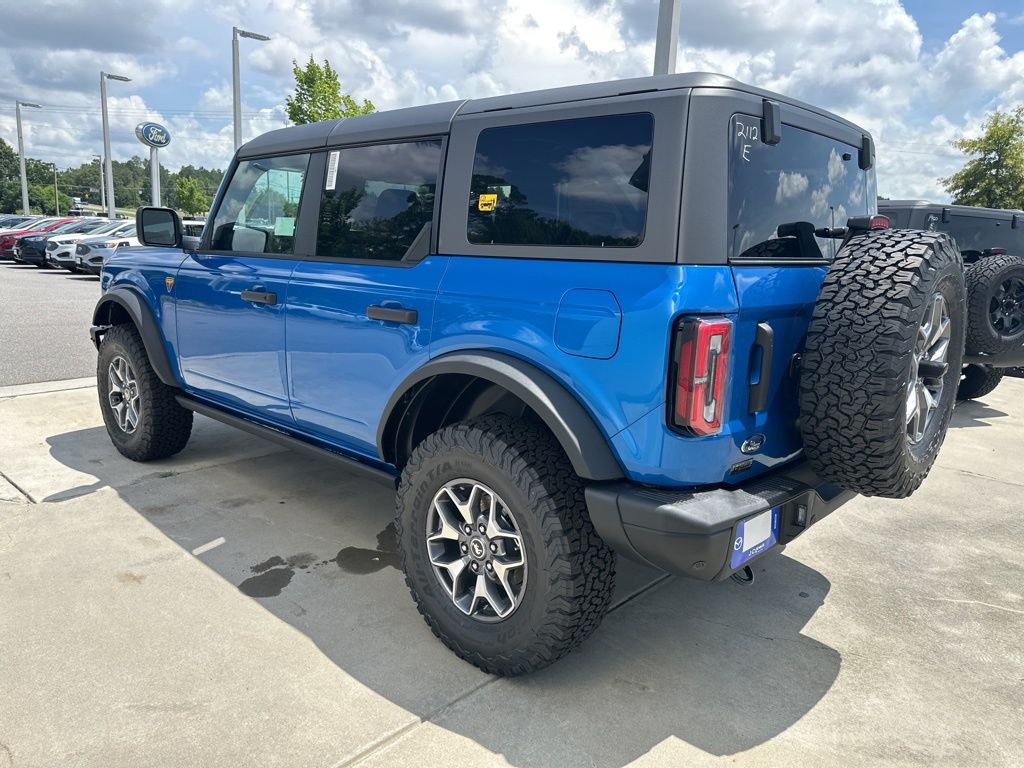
978, 381
857, 366
570, 571
990, 282
163, 427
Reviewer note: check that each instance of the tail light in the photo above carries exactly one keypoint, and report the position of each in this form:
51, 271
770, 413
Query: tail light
701, 364
995, 251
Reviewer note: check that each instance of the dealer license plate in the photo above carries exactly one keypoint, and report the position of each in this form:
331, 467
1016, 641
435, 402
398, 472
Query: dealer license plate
754, 536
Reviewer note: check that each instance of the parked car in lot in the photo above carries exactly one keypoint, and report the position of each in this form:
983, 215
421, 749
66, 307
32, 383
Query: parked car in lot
60, 250
9, 239
193, 227
557, 346
31, 248
992, 243
16, 222
92, 252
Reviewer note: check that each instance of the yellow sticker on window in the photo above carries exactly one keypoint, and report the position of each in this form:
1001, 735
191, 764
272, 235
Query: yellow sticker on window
487, 202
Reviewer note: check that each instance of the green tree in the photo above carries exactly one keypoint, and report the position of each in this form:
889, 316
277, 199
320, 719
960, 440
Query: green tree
9, 168
994, 177
318, 95
189, 197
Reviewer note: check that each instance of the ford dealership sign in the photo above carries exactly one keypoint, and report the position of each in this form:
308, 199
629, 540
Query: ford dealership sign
153, 135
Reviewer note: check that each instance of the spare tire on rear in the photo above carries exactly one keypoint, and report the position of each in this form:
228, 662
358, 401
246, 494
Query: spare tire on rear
995, 305
881, 365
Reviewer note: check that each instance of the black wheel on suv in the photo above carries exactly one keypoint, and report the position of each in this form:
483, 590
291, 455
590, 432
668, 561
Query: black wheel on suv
497, 547
142, 417
882, 362
995, 304
978, 381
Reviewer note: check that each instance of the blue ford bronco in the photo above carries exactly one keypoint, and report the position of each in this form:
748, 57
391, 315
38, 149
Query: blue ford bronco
658, 318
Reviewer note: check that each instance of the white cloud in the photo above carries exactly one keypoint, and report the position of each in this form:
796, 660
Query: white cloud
877, 71
790, 185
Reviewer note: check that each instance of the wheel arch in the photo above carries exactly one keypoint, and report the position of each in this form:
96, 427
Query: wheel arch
474, 383
121, 305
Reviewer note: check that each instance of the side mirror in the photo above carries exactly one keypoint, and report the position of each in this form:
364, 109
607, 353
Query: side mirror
159, 227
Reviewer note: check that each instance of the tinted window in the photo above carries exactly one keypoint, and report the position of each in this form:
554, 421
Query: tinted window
377, 199
778, 195
978, 233
258, 211
571, 182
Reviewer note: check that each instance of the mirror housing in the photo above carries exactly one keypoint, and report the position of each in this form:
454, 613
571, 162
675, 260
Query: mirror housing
158, 227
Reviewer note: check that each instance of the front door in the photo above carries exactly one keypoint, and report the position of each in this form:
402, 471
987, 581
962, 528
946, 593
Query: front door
230, 295
360, 311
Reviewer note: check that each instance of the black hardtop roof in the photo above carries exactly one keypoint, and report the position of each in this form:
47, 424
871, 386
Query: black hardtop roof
435, 119
963, 210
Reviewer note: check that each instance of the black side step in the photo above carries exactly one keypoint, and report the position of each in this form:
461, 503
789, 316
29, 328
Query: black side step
281, 438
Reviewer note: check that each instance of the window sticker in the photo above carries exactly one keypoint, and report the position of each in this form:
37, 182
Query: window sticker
487, 202
332, 170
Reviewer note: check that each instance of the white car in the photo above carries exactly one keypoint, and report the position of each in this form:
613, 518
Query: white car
91, 252
60, 249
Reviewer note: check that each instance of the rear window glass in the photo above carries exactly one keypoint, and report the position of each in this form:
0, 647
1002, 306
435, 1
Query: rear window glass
778, 195
568, 183
978, 233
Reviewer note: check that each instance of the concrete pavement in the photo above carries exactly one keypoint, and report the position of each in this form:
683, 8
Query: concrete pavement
240, 605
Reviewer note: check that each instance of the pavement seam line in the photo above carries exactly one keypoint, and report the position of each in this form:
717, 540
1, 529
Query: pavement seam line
32, 499
391, 738
961, 601
969, 473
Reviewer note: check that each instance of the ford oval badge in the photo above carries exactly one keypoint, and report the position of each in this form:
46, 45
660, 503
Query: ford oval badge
753, 444
152, 135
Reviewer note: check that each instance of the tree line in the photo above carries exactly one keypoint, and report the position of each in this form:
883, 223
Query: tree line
189, 190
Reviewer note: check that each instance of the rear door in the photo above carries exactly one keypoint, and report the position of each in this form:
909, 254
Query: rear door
360, 308
777, 195
230, 295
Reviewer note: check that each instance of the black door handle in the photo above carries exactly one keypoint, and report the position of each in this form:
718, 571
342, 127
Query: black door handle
393, 314
259, 297
765, 340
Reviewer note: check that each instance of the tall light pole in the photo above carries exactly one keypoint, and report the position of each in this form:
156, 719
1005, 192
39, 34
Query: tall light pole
21, 153
236, 79
109, 167
103, 191
56, 198
668, 37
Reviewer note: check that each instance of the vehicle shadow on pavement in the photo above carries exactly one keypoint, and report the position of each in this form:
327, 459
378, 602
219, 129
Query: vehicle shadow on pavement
974, 413
722, 667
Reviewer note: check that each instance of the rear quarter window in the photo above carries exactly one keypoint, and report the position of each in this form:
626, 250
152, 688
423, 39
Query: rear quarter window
780, 194
581, 182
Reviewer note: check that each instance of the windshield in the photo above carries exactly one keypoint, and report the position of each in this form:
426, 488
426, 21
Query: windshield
40, 224
108, 226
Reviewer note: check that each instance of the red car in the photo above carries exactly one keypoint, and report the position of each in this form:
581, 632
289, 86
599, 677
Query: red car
9, 238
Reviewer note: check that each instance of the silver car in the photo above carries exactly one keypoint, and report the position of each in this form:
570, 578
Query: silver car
91, 252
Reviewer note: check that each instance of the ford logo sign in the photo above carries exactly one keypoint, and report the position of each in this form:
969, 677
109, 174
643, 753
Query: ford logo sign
152, 135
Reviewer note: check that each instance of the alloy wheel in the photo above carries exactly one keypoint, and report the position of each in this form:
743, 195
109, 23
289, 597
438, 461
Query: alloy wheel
928, 368
123, 394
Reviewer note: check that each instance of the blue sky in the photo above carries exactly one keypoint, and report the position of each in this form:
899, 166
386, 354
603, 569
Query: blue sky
916, 73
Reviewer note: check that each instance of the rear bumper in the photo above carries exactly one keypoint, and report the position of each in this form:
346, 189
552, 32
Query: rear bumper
692, 533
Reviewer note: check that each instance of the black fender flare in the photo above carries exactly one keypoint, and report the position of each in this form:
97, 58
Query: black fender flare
142, 316
573, 427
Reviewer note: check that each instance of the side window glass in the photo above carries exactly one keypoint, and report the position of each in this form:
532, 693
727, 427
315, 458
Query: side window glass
779, 195
377, 199
576, 182
260, 206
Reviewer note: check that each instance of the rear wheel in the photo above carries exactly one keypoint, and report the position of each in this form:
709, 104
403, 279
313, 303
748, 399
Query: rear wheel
497, 547
882, 361
142, 417
978, 381
995, 305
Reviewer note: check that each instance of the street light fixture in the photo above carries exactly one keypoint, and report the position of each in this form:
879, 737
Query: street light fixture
235, 77
109, 168
21, 152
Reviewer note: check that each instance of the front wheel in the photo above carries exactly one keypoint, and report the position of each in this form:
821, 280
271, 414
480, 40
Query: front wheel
143, 419
497, 546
